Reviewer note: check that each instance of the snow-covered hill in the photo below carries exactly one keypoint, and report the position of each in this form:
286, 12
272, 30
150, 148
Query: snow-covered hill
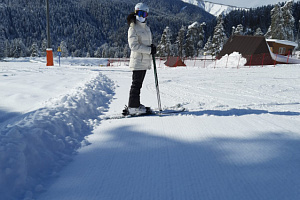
213, 8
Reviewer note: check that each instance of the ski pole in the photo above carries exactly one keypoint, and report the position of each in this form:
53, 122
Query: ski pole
156, 83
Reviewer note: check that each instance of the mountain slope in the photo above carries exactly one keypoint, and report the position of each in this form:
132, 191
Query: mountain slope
213, 8
85, 25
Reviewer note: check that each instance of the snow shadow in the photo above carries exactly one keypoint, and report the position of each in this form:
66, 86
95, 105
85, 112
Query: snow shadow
133, 165
240, 112
4, 115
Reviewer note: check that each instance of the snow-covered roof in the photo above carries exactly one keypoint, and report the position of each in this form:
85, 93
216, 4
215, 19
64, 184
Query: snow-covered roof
285, 42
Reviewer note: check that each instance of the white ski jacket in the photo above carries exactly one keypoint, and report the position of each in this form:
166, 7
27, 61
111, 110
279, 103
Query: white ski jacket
140, 40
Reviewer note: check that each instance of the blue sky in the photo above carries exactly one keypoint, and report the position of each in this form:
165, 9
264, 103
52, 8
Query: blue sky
247, 3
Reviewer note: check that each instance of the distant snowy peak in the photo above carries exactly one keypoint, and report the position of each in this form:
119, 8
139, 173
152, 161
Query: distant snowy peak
213, 8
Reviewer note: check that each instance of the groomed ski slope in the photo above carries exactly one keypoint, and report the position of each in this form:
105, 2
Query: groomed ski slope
239, 139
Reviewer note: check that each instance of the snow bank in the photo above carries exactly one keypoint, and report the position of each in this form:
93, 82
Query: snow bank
233, 60
36, 147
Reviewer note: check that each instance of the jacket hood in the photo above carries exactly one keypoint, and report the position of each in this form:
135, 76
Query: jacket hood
131, 18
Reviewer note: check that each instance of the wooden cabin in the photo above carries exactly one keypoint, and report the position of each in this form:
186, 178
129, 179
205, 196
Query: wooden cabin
259, 51
253, 48
281, 47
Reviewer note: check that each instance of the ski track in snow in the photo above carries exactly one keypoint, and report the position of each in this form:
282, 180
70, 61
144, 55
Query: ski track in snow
239, 138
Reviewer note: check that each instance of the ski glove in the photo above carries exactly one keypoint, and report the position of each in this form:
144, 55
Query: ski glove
153, 49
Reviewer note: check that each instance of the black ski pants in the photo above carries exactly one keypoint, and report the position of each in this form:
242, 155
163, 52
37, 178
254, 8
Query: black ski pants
135, 90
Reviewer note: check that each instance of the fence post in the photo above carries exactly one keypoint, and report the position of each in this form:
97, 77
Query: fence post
288, 58
215, 62
204, 60
159, 61
177, 61
263, 60
250, 61
227, 61
239, 62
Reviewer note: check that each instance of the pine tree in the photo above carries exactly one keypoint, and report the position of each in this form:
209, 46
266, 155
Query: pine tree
208, 47
282, 22
44, 47
98, 53
179, 43
34, 52
219, 37
298, 36
105, 50
7, 49
2, 44
239, 30
164, 47
289, 21
126, 51
201, 38
18, 48
232, 30
258, 32
76, 53
64, 49
192, 36
117, 53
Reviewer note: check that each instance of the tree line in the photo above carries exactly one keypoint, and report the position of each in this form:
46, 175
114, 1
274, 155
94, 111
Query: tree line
281, 23
84, 26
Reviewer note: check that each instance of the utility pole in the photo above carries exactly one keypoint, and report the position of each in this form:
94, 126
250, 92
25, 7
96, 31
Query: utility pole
49, 49
298, 35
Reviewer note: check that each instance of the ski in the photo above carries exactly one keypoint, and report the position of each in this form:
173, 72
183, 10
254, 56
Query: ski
165, 112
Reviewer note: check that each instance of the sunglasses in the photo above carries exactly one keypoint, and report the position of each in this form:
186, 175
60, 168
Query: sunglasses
141, 13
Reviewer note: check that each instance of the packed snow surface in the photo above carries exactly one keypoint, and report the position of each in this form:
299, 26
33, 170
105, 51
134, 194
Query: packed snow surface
238, 139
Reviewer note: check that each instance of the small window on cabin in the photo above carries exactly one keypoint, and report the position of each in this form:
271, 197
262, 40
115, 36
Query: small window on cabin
281, 50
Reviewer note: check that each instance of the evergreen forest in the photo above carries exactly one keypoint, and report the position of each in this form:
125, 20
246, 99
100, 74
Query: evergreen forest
98, 28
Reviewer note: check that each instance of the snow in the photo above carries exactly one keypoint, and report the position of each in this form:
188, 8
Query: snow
193, 25
215, 9
45, 114
285, 42
234, 60
238, 139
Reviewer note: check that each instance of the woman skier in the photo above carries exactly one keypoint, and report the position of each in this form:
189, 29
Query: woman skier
140, 43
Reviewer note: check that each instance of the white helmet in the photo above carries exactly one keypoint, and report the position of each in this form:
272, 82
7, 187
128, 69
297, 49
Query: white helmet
141, 6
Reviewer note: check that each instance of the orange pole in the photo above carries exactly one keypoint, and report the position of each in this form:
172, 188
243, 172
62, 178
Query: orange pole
49, 57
